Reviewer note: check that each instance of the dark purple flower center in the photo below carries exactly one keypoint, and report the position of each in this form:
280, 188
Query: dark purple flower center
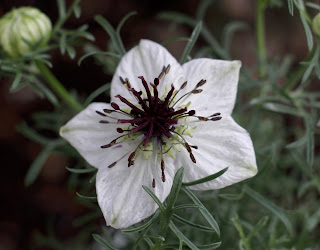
154, 116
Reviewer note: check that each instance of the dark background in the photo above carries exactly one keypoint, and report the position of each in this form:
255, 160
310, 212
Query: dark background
26, 211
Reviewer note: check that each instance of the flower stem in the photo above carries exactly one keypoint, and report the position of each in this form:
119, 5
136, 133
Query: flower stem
58, 87
260, 36
165, 219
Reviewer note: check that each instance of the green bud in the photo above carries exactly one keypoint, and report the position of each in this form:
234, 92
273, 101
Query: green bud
23, 30
316, 24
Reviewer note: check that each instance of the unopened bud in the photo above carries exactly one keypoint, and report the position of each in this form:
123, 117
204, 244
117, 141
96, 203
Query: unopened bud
23, 30
316, 24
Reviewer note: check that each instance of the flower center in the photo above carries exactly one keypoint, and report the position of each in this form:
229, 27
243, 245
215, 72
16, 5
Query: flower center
155, 117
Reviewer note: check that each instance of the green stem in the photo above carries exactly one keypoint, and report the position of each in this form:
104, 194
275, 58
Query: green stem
58, 87
260, 36
165, 219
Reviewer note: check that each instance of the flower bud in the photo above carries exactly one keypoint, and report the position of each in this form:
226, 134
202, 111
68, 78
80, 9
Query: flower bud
23, 30
316, 24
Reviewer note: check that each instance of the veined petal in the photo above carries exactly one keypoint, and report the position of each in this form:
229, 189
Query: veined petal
220, 90
146, 59
220, 144
85, 133
121, 197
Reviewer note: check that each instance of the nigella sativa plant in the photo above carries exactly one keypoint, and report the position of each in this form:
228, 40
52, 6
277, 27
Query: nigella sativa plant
162, 116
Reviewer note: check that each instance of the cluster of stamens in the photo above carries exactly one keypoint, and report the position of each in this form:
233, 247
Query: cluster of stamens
154, 117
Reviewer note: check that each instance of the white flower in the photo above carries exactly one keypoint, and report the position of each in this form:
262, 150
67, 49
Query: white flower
162, 116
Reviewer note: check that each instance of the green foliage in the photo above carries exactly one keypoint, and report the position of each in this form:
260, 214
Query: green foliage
277, 209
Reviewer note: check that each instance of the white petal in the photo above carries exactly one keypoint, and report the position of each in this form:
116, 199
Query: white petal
121, 197
220, 90
85, 133
146, 59
220, 144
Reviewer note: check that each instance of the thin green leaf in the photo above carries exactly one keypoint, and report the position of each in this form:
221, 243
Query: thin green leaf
194, 37
280, 108
36, 166
81, 171
206, 214
16, 84
261, 223
154, 197
181, 236
210, 246
96, 93
205, 179
173, 39
176, 186
305, 25
77, 11
86, 218
232, 197
124, 19
197, 226
184, 206
63, 43
71, 52
115, 38
154, 218
103, 242
298, 143
229, 31
202, 9
310, 142
272, 207
31, 134
92, 198
97, 53
290, 7
61, 8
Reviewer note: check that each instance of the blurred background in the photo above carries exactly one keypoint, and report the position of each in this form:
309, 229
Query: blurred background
27, 211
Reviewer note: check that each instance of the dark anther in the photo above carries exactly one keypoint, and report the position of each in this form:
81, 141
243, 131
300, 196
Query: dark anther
108, 111
191, 112
163, 166
192, 158
196, 91
119, 130
115, 106
153, 183
131, 158
102, 121
202, 82
100, 113
163, 176
184, 85
112, 164
156, 81
217, 118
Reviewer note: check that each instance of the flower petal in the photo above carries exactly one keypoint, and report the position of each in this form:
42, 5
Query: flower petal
146, 59
85, 133
121, 197
220, 144
220, 90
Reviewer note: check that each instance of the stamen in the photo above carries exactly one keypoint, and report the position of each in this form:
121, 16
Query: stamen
192, 158
124, 100
100, 113
196, 91
115, 106
112, 164
131, 158
103, 121
216, 118
145, 85
202, 82
153, 183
